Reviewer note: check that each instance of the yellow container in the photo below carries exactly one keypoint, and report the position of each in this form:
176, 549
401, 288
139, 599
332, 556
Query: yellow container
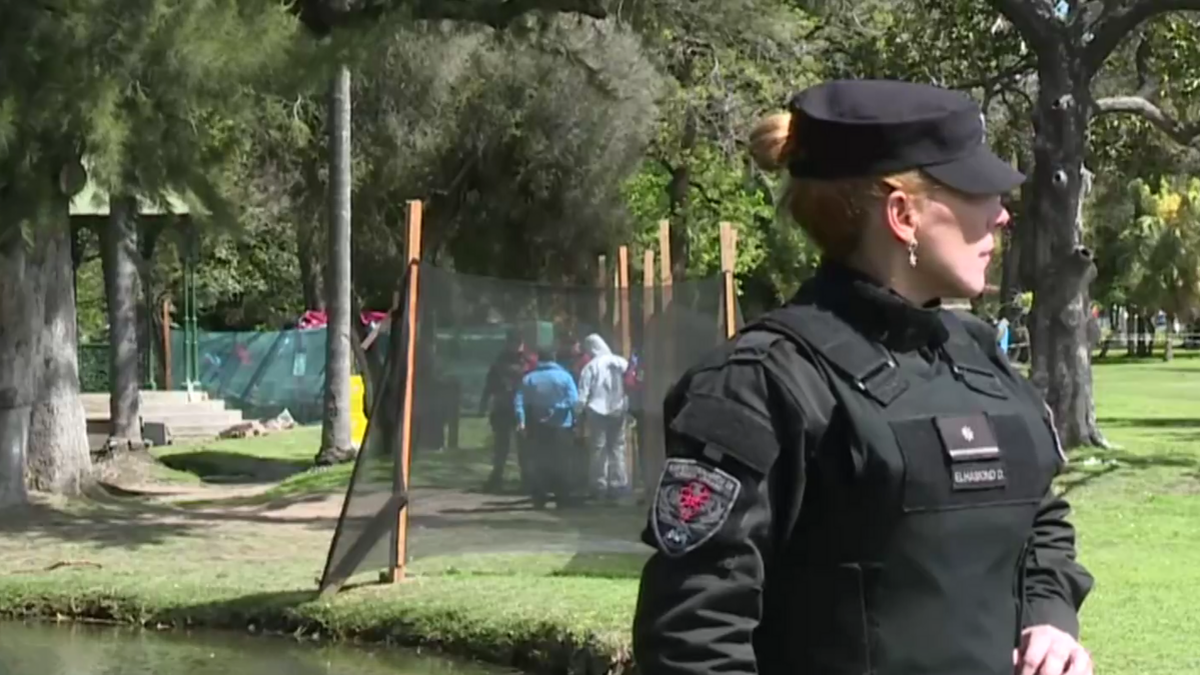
358, 421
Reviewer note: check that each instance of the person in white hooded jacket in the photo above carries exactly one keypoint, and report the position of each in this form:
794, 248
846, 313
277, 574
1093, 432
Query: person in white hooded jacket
604, 402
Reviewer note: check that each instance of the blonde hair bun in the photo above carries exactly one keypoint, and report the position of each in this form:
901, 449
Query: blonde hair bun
771, 141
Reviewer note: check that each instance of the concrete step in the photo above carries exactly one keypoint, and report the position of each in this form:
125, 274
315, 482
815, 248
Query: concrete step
223, 419
150, 396
154, 410
200, 419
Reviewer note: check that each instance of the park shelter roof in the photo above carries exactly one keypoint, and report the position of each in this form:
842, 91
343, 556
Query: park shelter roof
92, 200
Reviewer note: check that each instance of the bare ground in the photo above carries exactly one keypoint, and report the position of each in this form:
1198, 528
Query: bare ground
136, 513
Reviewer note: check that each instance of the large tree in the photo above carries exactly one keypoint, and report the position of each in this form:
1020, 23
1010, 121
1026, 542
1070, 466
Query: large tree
1071, 48
138, 89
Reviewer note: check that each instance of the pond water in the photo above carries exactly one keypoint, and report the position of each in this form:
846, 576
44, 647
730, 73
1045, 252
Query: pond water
46, 649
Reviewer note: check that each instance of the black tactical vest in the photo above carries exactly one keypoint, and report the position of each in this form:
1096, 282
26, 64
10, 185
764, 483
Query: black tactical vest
908, 552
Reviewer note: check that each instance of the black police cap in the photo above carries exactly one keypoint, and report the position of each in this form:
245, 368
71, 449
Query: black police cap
860, 128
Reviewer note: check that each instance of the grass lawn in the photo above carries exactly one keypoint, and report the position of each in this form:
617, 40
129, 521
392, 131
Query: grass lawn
244, 560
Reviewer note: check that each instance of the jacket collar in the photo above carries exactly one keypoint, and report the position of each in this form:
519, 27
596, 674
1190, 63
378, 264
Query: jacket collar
879, 313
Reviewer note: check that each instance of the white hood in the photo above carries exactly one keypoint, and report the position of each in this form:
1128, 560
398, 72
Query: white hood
602, 382
596, 346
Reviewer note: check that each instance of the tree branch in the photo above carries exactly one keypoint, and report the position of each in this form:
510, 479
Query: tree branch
1120, 19
1182, 133
321, 16
1034, 20
1147, 82
499, 14
989, 84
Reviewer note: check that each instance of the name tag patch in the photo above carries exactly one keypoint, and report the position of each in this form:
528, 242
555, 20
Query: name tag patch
978, 475
975, 461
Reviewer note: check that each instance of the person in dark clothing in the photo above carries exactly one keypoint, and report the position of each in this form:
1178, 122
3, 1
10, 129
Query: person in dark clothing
499, 392
859, 482
545, 407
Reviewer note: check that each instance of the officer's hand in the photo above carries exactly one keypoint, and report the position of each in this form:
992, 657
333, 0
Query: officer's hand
1046, 650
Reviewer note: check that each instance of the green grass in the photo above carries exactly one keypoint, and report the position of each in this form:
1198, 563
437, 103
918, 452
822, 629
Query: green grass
1136, 510
289, 453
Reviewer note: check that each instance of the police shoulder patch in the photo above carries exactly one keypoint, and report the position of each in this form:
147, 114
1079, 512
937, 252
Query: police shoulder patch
691, 504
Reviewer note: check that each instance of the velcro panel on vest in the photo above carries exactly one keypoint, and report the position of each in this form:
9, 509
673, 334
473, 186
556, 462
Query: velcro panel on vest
970, 362
870, 369
736, 431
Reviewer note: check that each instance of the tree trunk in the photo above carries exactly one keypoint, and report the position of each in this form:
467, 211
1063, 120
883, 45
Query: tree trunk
122, 288
43, 436
335, 424
21, 309
1009, 286
310, 266
1012, 283
677, 196
1132, 335
1169, 333
149, 309
1061, 359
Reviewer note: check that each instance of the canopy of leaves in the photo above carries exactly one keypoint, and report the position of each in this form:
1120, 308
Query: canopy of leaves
1149, 236
154, 94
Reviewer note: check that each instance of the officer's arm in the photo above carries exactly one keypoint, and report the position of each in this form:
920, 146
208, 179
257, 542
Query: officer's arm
1055, 584
711, 525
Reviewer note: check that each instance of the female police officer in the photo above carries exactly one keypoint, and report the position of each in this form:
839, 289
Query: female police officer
858, 482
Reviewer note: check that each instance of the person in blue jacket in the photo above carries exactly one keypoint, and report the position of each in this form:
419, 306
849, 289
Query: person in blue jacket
545, 406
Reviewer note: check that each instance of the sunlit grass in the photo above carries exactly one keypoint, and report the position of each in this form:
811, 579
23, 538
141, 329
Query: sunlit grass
1136, 510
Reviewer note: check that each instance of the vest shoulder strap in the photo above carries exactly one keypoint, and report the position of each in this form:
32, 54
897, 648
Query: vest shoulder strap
969, 345
869, 368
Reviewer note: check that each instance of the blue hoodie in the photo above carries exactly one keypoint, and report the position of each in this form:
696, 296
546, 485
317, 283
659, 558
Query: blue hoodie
549, 392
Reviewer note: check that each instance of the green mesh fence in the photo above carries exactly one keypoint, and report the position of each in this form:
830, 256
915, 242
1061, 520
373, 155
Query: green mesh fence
567, 484
259, 373
263, 373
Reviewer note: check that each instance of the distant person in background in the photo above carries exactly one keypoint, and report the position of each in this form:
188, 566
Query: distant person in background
579, 360
604, 402
545, 409
499, 392
1002, 335
1021, 340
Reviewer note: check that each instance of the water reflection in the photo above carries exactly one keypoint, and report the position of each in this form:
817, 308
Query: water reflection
42, 649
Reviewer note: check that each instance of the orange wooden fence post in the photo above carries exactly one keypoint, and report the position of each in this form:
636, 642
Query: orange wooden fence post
413, 257
728, 258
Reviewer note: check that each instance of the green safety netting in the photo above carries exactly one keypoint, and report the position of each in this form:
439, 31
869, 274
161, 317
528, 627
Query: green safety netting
462, 498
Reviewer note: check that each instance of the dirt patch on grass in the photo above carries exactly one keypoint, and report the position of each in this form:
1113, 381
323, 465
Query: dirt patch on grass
198, 522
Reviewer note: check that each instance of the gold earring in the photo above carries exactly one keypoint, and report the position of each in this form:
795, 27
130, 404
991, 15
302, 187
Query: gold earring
912, 253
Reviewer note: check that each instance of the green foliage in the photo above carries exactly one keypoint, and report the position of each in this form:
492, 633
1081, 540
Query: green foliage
1148, 237
521, 180
152, 93
719, 185
1162, 63
729, 63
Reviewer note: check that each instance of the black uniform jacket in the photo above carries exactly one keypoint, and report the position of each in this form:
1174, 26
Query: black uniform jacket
705, 602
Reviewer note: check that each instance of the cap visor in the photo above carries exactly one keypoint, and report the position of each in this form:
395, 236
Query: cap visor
979, 173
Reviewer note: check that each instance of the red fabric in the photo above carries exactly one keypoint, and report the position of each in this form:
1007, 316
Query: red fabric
318, 319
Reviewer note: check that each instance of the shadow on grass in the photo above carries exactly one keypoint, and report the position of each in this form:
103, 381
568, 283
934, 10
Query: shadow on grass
1079, 474
118, 523
1115, 358
1151, 422
261, 612
215, 466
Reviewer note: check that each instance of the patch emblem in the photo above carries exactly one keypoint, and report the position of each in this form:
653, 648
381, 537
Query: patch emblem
691, 504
